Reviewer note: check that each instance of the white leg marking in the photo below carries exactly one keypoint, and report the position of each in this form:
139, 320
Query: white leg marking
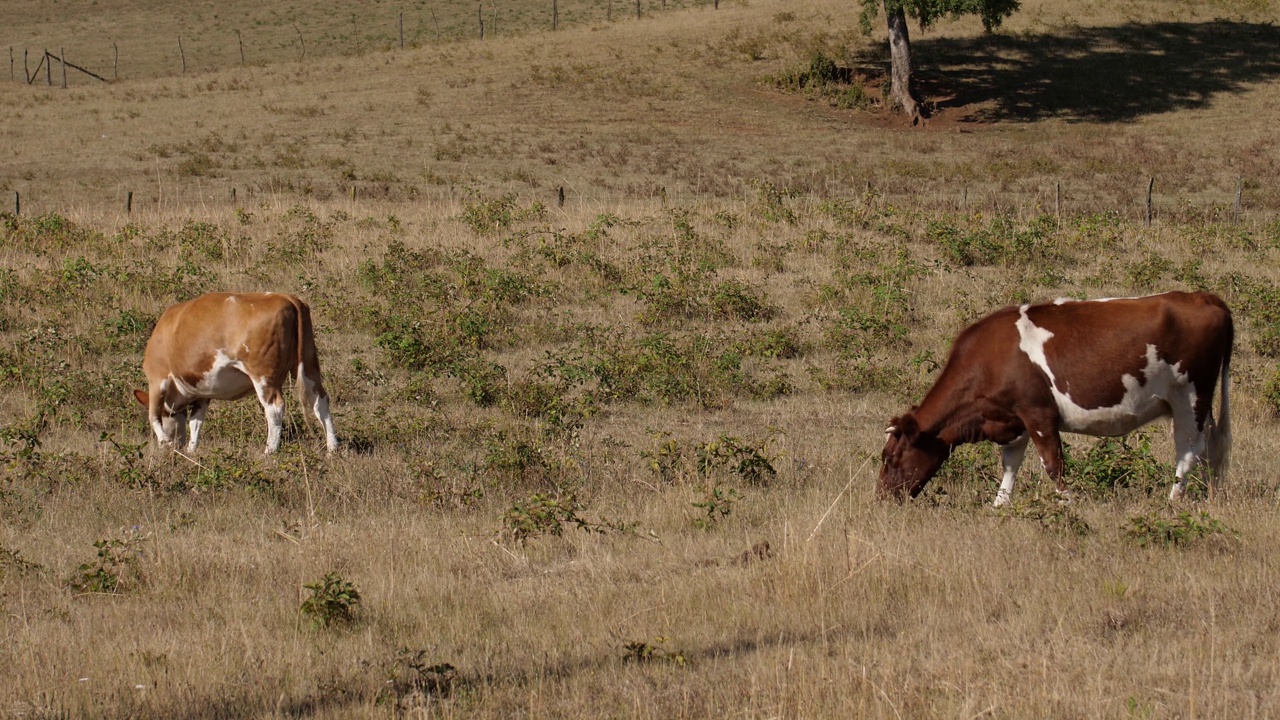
1188, 441
1011, 458
275, 423
326, 419
274, 413
320, 407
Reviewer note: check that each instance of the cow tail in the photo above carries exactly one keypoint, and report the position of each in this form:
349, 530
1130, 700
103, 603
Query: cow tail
300, 369
1220, 438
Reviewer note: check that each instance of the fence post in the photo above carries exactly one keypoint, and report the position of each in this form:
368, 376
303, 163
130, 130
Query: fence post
26, 72
555, 13
1235, 217
637, 9
128, 203
10, 63
17, 204
115, 63
233, 196
1150, 186
48, 68
401, 29
240, 42
1057, 202
560, 196
62, 58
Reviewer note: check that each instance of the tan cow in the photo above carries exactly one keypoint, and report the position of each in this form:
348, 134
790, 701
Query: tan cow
224, 346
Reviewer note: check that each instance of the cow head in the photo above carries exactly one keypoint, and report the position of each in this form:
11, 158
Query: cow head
169, 425
911, 458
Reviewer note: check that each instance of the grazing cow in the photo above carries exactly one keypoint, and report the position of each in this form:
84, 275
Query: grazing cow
1101, 367
224, 346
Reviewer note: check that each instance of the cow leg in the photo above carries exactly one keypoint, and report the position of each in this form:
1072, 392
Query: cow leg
1011, 458
195, 422
273, 405
314, 397
1189, 445
179, 426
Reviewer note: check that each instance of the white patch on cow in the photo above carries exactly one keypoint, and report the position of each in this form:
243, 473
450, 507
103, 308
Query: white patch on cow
1031, 340
1164, 389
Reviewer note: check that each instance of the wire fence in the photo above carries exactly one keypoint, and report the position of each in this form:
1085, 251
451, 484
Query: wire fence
174, 47
1147, 206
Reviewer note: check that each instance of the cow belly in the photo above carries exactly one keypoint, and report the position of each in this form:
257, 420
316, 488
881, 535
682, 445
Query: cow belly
1114, 421
226, 380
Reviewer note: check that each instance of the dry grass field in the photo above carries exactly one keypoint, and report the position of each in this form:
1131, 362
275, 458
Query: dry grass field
615, 457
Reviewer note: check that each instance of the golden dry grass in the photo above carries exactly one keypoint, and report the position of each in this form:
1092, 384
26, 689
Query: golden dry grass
676, 158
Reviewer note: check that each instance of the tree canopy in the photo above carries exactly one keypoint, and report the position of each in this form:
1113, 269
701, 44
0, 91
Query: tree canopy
926, 12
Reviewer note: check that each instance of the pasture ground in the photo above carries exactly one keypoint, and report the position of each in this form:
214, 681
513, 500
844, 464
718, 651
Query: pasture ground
616, 457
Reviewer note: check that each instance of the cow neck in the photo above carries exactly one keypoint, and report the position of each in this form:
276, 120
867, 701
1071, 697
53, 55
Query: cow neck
951, 412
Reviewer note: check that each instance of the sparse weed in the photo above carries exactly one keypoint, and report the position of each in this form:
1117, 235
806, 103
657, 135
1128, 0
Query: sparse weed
133, 473
655, 652
716, 504
771, 203
116, 567
12, 563
411, 672
1052, 512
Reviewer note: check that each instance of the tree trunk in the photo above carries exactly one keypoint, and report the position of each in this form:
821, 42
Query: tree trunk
900, 92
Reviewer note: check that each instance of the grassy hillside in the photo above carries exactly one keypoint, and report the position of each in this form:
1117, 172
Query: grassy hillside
616, 457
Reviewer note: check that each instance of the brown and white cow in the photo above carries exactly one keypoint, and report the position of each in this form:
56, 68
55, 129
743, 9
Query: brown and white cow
224, 346
1100, 367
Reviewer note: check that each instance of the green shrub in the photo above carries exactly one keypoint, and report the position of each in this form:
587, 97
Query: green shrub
493, 215
824, 78
544, 514
333, 602
1113, 464
1184, 528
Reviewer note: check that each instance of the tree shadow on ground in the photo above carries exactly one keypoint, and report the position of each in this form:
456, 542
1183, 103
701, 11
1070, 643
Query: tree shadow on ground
1108, 74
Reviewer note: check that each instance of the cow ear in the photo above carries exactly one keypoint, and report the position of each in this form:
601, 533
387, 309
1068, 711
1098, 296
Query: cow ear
141, 395
904, 426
